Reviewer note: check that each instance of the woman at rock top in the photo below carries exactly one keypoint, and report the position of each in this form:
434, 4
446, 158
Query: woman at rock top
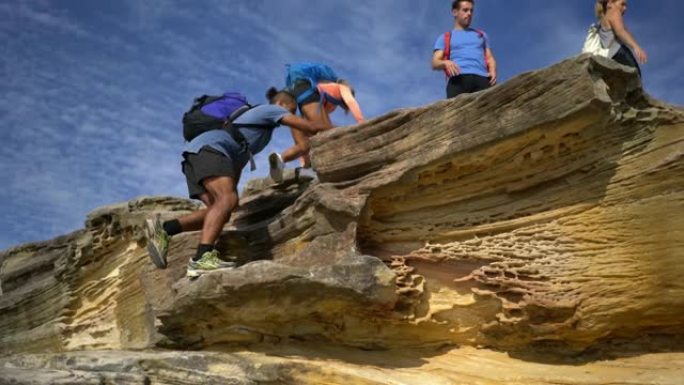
318, 92
614, 34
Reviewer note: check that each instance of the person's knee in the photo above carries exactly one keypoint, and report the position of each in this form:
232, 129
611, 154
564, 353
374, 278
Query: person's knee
303, 147
226, 201
206, 199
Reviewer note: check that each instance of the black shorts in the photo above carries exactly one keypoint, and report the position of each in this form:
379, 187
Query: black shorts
466, 84
207, 163
300, 87
625, 56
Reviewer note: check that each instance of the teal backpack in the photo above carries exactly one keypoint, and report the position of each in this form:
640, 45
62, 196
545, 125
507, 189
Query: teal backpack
313, 72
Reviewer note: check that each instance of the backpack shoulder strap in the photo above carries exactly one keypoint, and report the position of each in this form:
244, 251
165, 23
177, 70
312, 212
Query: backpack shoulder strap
447, 45
447, 50
253, 125
236, 114
482, 35
307, 93
229, 122
484, 45
326, 97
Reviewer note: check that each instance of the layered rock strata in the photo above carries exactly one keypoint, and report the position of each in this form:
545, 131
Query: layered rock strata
542, 218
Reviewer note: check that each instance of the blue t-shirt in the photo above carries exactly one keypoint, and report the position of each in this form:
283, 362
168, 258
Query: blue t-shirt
258, 138
467, 50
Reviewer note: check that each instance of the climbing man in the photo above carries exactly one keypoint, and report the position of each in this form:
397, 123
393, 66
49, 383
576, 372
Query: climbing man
212, 163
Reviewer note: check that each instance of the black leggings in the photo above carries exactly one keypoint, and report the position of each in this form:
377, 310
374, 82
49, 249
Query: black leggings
466, 84
625, 56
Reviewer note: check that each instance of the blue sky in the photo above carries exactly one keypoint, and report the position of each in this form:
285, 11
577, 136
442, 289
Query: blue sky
92, 91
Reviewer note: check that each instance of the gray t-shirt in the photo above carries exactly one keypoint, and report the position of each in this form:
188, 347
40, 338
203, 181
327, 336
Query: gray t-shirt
609, 40
258, 138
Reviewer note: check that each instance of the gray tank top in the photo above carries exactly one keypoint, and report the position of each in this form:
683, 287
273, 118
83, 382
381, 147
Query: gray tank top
609, 40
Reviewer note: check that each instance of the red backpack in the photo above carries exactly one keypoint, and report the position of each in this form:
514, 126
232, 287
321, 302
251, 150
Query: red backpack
447, 47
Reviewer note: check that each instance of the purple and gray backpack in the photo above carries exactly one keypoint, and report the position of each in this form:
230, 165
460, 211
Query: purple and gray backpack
215, 113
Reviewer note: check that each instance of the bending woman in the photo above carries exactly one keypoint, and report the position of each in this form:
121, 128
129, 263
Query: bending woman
316, 108
614, 34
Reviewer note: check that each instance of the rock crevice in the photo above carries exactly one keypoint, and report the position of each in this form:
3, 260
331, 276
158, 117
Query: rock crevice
542, 218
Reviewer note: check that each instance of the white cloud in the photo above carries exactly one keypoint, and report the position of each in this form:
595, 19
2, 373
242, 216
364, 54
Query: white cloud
38, 13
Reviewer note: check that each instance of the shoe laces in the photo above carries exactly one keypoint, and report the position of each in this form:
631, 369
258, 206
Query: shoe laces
211, 257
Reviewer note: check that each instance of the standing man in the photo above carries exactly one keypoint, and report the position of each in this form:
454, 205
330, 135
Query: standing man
464, 54
213, 163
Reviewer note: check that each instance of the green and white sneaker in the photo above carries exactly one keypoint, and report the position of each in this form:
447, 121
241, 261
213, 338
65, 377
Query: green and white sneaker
208, 262
157, 241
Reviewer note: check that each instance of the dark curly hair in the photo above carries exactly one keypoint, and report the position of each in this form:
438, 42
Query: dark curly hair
273, 95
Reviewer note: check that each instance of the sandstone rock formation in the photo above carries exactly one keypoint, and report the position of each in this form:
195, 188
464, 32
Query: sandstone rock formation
532, 233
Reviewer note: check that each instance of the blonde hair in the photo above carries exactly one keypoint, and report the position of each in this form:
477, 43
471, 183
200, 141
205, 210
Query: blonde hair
601, 7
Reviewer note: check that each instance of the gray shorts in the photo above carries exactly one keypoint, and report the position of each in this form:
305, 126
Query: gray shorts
207, 163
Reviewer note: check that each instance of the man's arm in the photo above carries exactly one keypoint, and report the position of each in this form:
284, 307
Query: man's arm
303, 125
439, 64
491, 66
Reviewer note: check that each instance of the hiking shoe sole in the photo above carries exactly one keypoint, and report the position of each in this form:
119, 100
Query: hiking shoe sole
276, 167
194, 273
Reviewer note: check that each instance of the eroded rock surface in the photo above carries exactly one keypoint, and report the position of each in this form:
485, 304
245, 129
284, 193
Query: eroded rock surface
321, 365
542, 218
